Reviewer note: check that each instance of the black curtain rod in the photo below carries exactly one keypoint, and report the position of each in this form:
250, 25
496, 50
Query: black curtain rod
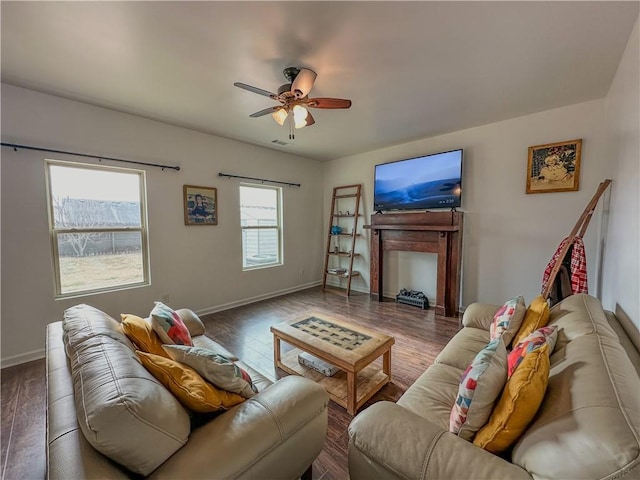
15, 146
258, 179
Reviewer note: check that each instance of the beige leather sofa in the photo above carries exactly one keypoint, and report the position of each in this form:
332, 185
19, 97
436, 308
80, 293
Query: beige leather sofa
99, 391
587, 427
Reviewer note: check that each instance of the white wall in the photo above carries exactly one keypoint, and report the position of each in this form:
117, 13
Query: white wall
620, 285
199, 267
509, 236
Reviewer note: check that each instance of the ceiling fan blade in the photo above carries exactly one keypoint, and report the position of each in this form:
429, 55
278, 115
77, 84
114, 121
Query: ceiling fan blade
302, 84
266, 111
257, 90
328, 103
310, 120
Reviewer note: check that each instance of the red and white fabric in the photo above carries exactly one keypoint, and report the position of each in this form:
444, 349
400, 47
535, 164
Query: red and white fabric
578, 271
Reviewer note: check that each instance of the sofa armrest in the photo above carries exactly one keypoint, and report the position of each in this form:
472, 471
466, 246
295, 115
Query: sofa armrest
479, 315
388, 441
192, 321
276, 434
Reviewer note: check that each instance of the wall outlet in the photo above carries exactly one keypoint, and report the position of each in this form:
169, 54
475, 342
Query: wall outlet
302, 272
165, 298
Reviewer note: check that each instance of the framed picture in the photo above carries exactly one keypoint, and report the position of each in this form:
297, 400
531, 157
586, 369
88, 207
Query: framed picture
200, 205
554, 167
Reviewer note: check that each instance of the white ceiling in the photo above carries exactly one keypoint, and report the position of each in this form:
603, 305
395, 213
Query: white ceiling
412, 69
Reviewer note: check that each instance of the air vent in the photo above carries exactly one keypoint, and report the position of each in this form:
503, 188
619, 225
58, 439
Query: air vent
279, 142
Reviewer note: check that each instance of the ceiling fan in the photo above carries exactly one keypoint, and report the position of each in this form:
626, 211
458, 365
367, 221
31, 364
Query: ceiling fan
294, 99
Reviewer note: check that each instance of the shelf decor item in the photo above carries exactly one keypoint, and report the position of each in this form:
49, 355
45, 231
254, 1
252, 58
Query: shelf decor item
200, 205
336, 230
554, 167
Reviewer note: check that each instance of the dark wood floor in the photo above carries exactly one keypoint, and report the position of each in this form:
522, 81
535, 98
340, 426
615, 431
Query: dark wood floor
419, 335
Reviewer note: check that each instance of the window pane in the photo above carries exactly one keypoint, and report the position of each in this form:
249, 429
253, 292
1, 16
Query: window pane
93, 198
90, 261
260, 247
258, 206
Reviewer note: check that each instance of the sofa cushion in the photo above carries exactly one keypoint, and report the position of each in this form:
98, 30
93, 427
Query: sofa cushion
169, 326
579, 315
193, 391
214, 368
541, 337
507, 320
537, 316
480, 385
479, 315
140, 332
588, 425
463, 347
205, 342
518, 403
432, 395
122, 410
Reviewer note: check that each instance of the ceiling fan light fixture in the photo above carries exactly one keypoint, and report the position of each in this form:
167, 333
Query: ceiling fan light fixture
303, 82
280, 116
300, 116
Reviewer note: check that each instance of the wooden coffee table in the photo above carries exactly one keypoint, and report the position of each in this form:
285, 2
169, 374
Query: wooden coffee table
349, 347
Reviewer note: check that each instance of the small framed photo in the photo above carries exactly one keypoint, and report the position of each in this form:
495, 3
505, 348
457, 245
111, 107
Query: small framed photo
200, 205
554, 167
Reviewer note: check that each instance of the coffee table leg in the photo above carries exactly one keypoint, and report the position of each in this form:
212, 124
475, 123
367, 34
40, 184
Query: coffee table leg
276, 353
386, 363
352, 392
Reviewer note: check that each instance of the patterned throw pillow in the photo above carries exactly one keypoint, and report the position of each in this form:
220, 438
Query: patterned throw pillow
518, 404
191, 390
169, 326
140, 332
537, 316
215, 368
507, 320
541, 337
480, 385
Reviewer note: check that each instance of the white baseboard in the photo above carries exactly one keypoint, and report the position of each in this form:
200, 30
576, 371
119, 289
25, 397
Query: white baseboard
258, 298
22, 358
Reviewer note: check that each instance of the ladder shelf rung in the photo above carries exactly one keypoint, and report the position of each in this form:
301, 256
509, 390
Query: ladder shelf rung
345, 275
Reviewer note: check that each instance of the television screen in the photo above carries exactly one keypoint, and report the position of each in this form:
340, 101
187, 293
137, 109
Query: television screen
431, 181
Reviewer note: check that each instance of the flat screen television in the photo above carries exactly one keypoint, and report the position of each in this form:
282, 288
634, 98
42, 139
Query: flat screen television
430, 181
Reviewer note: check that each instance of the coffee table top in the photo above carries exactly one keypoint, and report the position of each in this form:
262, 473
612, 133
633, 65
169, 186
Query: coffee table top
333, 337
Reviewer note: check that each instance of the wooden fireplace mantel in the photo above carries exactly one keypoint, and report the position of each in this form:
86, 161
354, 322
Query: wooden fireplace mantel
429, 232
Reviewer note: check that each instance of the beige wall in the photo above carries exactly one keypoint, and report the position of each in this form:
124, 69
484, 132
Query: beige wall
199, 267
509, 236
620, 283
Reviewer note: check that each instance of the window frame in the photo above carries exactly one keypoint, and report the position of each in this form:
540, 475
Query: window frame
54, 231
278, 227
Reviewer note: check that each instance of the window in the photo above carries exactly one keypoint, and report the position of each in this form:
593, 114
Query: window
97, 219
261, 222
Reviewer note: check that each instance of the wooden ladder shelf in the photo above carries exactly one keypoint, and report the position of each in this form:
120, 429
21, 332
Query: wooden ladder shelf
579, 230
341, 245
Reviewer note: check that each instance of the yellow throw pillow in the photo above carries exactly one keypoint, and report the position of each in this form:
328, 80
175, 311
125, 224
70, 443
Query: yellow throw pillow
520, 400
537, 316
191, 390
140, 332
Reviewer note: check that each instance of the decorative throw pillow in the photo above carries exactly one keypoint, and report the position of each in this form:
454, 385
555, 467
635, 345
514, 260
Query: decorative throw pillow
520, 400
169, 326
537, 316
539, 338
191, 390
480, 385
507, 320
214, 368
139, 331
